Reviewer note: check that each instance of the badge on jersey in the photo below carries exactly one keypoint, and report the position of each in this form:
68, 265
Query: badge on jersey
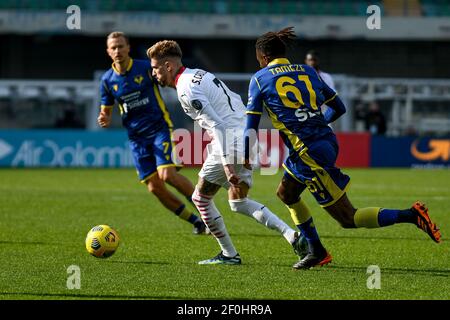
138, 79
196, 104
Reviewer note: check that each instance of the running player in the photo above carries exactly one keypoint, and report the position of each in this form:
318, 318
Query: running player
221, 112
144, 115
292, 94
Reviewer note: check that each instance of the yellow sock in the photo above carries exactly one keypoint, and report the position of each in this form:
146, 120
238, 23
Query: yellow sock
185, 214
299, 212
366, 218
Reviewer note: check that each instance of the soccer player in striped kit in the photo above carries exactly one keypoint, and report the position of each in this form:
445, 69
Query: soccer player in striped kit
209, 102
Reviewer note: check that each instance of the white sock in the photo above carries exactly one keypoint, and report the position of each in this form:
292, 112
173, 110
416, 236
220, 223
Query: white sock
214, 221
263, 215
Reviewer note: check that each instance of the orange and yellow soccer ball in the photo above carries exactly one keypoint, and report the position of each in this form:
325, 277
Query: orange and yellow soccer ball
102, 241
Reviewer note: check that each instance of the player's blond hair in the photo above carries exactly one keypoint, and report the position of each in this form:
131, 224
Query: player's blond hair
117, 34
165, 49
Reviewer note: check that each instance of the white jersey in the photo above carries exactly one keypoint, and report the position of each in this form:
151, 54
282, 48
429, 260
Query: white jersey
216, 109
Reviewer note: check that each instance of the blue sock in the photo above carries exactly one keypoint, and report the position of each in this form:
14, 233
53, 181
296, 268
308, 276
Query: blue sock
308, 230
180, 210
387, 217
194, 219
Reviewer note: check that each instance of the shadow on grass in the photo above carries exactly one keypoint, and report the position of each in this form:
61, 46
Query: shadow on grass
136, 262
396, 238
403, 271
89, 296
274, 235
363, 270
105, 296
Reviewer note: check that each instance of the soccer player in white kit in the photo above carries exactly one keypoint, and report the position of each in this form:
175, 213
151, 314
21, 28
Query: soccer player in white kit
221, 112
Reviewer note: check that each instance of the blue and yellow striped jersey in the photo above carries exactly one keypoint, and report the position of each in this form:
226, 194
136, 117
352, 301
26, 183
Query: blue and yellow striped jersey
141, 106
292, 95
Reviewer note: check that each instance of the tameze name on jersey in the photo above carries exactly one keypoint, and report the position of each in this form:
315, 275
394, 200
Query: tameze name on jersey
288, 68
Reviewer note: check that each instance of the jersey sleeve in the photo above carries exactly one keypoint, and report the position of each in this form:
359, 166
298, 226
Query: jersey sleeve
198, 101
106, 98
254, 103
328, 93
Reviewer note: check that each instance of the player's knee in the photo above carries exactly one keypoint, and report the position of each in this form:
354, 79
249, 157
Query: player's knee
198, 196
165, 176
169, 176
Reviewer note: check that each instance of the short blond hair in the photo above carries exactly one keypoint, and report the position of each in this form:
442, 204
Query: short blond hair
117, 34
165, 49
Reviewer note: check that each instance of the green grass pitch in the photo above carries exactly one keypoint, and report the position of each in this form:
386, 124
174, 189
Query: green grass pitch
46, 214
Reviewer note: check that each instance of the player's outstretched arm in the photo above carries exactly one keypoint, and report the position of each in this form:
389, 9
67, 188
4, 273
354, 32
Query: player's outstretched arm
107, 103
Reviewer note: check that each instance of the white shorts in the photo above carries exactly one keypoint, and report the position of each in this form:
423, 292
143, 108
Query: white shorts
212, 171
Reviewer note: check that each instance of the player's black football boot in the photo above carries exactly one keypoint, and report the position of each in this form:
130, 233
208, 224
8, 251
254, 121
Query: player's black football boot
200, 228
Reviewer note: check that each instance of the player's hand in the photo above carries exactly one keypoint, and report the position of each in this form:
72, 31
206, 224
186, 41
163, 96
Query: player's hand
104, 119
232, 177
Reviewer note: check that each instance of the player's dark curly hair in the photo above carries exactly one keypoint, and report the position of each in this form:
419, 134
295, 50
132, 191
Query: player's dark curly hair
274, 44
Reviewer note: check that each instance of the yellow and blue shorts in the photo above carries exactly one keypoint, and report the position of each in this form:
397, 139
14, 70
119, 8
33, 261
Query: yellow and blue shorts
314, 167
152, 153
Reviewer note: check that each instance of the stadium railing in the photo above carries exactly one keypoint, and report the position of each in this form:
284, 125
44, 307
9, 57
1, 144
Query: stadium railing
411, 106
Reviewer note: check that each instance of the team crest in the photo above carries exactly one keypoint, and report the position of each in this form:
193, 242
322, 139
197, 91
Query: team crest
138, 79
115, 87
197, 105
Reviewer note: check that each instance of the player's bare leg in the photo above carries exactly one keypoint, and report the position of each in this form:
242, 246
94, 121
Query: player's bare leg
289, 191
343, 212
176, 180
203, 199
237, 195
181, 183
156, 186
375, 217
